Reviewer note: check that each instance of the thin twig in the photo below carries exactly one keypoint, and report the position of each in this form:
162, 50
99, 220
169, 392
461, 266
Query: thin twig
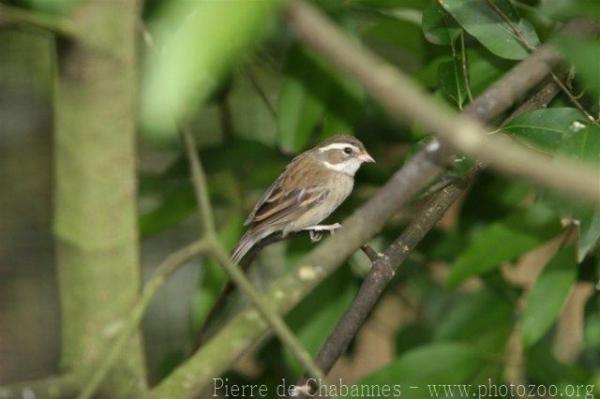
235, 273
261, 92
370, 252
404, 102
199, 182
161, 275
465, 66
53, 23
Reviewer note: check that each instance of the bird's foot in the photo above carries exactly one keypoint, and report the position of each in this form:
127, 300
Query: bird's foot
315, 236
315, 231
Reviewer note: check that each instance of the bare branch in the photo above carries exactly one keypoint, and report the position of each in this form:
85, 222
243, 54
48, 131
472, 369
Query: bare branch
405, 102
370, 252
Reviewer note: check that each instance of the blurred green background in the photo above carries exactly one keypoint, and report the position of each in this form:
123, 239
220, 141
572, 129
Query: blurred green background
504, 288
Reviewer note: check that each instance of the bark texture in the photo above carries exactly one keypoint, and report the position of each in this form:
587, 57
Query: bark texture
95, 222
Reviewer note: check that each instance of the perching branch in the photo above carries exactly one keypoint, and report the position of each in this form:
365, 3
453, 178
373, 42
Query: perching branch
235, 273
169, 266
54, 23
404, 102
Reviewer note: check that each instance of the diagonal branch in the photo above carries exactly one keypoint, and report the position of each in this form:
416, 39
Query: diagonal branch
404, 102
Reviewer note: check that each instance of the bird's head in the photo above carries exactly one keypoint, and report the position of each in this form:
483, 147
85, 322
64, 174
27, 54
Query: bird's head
342, 153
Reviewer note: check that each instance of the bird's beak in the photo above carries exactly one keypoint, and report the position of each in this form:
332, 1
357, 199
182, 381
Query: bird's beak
365, 157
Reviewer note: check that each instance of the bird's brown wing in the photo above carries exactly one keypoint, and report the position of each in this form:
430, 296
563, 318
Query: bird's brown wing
287, 198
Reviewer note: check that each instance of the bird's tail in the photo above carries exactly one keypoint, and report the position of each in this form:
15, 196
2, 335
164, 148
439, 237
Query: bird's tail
245, 244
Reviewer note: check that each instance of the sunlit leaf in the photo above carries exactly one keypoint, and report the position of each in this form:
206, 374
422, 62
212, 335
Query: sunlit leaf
548, 296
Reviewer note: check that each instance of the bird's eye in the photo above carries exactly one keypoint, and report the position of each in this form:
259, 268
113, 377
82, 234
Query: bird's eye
348, 150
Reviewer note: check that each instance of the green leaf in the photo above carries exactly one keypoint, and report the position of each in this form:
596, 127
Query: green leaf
440, 363
178, 204
399, 41
546, 129
451, 82
584, 54
569, 8
589, 234
482, 22
477, 316
302, 99
438, 27
503, 241
548, 296
484, 69
197, 43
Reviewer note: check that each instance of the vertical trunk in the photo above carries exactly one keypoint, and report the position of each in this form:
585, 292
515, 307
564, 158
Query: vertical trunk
95, 198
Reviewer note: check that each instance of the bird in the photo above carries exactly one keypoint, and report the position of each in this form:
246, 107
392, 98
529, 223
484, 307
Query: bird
310, 188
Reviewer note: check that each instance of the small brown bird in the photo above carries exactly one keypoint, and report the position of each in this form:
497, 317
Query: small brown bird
310, 188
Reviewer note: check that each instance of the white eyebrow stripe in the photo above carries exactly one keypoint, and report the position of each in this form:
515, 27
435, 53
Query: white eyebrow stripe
337, 166
338, 146
347, 167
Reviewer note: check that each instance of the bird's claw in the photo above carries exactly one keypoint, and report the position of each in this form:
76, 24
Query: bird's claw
315, 236
315, 232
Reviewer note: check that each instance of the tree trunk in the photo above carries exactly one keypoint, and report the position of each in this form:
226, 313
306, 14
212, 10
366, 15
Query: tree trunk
95, 199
